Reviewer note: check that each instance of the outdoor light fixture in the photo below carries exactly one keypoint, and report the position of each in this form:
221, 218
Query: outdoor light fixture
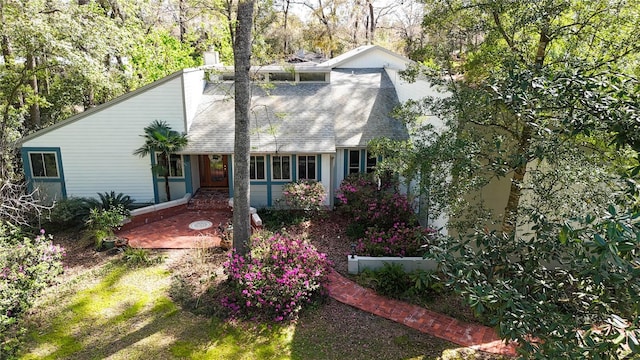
353, 250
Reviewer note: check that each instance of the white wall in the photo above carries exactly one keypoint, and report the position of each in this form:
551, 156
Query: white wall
193, 82
96, 150
375, 58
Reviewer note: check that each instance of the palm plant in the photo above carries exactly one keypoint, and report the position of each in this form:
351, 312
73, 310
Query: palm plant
160, 138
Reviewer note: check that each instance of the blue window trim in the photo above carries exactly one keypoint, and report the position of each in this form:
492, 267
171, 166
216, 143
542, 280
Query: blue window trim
186, 176
230, 174
363, 161
318, 166
26, 165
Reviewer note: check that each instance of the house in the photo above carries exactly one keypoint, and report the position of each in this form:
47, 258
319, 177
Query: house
310, 121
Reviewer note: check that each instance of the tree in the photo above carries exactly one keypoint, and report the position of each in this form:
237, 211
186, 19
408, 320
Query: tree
242, 146
543, 94
160, 138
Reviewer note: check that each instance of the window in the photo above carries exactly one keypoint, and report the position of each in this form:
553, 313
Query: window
371, 163
281, 166
286, 76
44, 165
354, 161
307, 167
175, 167
256, 167
314, 77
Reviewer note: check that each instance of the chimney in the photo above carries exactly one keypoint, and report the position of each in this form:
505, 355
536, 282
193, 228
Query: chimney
211, 57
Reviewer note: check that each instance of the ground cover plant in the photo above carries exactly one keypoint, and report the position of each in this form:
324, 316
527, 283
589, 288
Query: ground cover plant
116, 310
28, 265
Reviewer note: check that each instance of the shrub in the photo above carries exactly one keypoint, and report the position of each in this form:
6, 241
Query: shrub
120, 201
400, 240
278, 277
102, 223
391, 280
304, 195
71, 213
370, 206
27, 266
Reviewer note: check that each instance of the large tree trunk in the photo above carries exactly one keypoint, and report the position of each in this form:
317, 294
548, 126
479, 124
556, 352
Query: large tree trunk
242, 59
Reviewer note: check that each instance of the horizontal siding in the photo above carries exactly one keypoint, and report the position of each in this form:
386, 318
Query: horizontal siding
97, 150
259, 197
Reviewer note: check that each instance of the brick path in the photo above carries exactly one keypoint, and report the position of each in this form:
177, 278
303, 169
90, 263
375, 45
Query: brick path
173, 232
469, 335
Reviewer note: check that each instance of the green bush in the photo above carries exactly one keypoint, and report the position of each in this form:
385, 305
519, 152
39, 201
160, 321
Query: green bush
304, 195
27, 266
391, 280
71, 213
120, 201
102, 223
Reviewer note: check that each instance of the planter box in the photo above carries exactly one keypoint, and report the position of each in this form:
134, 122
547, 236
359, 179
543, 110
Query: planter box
358, 264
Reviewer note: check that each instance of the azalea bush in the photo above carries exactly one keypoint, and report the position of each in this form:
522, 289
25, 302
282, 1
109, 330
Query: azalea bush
304, 195
27, 266
276, 279
371, 204
400, 240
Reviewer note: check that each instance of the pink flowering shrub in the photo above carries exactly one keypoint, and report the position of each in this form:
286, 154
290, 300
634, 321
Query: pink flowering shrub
368, 206
400, 240
304, 195
27, 266
278, 277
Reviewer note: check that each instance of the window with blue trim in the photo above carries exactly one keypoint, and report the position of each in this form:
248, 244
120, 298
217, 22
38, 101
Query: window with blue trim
175, 166
44, 165
256, 167
307, 167
354, 161
372, 161
281, 167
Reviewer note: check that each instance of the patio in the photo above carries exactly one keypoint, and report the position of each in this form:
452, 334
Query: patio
175, 232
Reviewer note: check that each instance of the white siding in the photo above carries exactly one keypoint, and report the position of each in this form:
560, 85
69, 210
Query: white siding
193, 86
375, 58
326, 177
97, 150
258, 196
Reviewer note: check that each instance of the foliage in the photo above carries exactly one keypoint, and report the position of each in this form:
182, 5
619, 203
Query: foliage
276, 219
373, 205
399, 240
305, 195
277, 278
102, 223
27, 266
393, 281
139, 257
159, 137
565, 290
71, 213
111, 200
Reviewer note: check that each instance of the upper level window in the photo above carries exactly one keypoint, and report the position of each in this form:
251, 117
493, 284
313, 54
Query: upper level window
354, 161
307, 167
371, 163
175, 166
281, 167
312, 77
44, 164
256, 167
284, 76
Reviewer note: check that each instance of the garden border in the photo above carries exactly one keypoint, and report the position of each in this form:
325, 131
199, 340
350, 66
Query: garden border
357, 264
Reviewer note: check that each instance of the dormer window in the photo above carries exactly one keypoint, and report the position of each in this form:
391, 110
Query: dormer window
285, 76
312, 77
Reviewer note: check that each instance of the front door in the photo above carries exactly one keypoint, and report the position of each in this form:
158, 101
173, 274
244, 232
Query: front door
214, 170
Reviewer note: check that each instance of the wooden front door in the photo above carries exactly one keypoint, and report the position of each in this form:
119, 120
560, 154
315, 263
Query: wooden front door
214, 170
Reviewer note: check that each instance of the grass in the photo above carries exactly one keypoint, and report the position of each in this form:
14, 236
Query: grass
116, 311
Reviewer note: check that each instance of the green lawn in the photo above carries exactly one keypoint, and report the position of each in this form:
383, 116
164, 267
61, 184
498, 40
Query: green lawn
118, 312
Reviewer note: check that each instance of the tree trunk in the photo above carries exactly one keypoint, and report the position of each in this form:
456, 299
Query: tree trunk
242, 59
34, 110
165, 165
372, 24
182, 26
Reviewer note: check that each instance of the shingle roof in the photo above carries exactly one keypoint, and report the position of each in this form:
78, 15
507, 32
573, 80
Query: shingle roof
301, 117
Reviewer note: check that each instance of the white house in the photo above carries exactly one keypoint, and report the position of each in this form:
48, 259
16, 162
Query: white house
310, 121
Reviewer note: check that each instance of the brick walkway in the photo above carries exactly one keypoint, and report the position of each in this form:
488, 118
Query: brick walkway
474, 336
173, 232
